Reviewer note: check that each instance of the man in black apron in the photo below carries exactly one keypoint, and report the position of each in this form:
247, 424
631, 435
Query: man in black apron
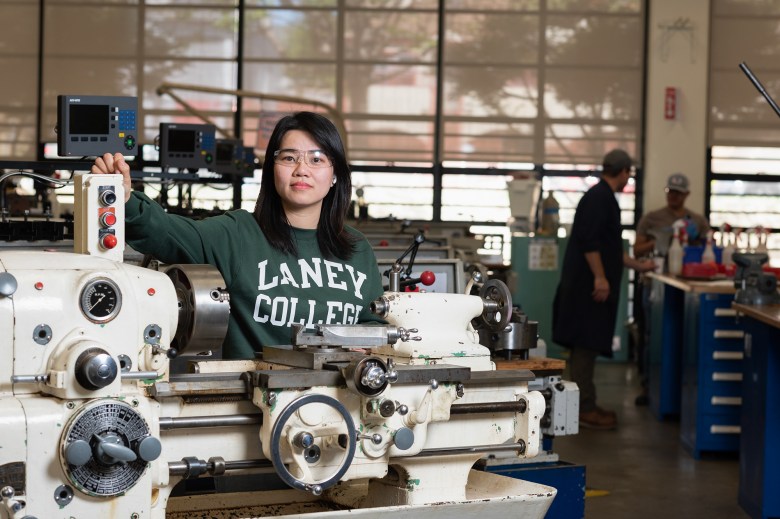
586, 302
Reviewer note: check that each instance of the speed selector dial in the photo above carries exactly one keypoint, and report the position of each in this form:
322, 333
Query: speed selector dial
106, 448
95, 369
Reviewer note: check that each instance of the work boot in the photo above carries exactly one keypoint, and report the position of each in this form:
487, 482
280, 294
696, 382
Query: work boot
597, 419
606, 412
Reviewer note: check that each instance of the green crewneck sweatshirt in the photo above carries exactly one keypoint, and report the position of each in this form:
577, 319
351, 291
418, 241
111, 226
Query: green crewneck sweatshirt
269, 290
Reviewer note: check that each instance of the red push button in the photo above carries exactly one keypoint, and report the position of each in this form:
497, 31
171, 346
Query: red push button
108, 241
108, 219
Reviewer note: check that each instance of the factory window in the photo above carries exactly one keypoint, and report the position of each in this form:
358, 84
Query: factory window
134, 47
541, 82
19, 61
493, 87
745, 196
743, 132
395, 196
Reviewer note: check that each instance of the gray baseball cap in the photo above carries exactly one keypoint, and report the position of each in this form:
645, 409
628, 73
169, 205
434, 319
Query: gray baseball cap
678, 182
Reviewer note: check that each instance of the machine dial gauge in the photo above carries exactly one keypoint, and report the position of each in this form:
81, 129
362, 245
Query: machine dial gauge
101, 300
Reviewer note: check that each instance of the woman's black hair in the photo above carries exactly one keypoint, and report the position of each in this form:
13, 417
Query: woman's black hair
333, 239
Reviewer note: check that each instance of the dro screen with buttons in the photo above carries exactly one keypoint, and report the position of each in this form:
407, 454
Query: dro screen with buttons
191, 146
89, 126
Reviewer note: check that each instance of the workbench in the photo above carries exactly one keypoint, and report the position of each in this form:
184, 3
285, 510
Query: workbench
695, 361
759, 457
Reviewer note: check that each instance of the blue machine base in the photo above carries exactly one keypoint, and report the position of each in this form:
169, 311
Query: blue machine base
568, 479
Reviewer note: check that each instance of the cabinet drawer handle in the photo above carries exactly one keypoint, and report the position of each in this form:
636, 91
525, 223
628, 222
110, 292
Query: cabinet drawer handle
725, 429
726, 400
728, 355
719, 376
728, 334
725, 312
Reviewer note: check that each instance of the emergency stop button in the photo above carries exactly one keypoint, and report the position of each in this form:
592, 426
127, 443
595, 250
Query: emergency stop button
108, 241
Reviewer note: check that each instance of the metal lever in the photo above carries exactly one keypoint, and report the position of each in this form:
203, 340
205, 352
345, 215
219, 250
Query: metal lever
375, 438
110, 450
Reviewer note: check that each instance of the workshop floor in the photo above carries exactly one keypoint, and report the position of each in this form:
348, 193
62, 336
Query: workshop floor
640, 470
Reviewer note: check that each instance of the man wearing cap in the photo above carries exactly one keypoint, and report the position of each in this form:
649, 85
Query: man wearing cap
654, 231
586, 301
653, 235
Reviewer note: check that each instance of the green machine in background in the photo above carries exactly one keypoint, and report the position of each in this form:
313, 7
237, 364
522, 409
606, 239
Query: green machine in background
536, 265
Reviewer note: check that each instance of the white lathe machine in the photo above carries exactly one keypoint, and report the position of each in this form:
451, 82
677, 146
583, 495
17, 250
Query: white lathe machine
357, 420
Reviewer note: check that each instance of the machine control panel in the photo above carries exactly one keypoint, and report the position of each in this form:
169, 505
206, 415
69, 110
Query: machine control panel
94, 125
191, 146
99, 201
233, 158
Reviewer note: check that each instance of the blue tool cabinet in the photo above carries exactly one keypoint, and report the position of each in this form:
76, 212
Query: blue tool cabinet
711, 396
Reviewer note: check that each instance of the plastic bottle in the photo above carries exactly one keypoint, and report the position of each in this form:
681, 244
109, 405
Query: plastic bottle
708, 256
675, 254
550, 215
763, 236
727, 256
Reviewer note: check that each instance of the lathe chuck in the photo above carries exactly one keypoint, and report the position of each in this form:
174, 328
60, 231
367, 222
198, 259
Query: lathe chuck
105, 448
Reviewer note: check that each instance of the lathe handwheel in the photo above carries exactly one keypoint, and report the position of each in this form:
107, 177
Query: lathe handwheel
299, 452
498, 305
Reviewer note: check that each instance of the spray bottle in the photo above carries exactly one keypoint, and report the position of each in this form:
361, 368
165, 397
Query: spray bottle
708, 256
675, 254
728, 246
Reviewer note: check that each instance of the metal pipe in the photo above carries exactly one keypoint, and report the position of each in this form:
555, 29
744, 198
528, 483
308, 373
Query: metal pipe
519, 446
167, 89
191, 422
29, 379
139, 375
489, 407
182, 468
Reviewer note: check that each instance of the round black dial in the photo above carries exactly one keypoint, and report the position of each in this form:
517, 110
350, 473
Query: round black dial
101, 300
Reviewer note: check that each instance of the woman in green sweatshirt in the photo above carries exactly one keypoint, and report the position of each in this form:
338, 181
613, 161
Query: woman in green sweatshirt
291, 261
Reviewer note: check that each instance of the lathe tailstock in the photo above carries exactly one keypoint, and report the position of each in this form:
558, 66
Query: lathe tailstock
347, 421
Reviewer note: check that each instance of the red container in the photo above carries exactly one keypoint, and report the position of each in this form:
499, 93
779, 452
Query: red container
774, 270
700, 270
727, 270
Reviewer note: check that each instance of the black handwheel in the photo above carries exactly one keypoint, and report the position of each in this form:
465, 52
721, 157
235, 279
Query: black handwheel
498, 305
304, 450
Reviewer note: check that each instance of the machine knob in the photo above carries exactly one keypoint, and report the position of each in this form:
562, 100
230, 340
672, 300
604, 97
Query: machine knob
78, 453
129, 142
373, 377
148, 448
95, 369
403, 438
110, 450
107, 219
8, 284
387, 408
303, 440
427, 278
108, 241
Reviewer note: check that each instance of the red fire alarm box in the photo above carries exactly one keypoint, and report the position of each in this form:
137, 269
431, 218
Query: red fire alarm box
670, 103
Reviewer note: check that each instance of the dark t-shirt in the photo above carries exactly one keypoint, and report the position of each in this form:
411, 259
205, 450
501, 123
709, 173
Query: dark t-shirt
658, 224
